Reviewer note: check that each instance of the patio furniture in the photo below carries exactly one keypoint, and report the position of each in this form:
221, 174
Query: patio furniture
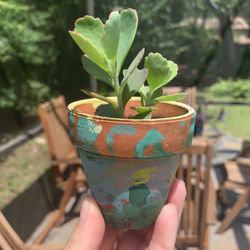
63, 155
199, 208
237, 180
9, 239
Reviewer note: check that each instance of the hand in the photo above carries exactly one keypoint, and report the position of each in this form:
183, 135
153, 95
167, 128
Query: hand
92, 234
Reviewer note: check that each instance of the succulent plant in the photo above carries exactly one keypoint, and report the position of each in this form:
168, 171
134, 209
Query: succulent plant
106, 47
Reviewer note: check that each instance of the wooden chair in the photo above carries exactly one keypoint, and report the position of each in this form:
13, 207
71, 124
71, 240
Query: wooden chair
199, 209
64, 158
191, 96
9, 240
237, 180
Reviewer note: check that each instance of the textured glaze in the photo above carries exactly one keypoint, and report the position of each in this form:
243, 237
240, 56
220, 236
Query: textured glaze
130, 164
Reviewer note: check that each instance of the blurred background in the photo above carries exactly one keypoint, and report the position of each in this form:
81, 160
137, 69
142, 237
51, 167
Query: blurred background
209, 39
38, 60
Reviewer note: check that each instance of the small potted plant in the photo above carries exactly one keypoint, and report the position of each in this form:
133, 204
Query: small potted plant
129, 145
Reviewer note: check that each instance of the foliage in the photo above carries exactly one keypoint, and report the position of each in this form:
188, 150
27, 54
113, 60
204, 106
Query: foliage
24, 33
105, 48
35, 50
231, 89
226, 6
24, 45
244, 71
33, 93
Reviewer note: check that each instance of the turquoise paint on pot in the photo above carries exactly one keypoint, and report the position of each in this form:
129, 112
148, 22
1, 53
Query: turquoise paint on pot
119, 130
135, 217
124, 188
71, 124
183, 124
138, 194
152, 138
88, 131
191, 130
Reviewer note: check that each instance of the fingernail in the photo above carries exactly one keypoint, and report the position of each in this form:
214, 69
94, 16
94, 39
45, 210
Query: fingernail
84, 209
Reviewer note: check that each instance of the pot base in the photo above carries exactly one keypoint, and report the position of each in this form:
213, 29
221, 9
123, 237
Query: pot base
129, 192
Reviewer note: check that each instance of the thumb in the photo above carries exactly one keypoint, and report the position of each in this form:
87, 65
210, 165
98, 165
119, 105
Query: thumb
90, 229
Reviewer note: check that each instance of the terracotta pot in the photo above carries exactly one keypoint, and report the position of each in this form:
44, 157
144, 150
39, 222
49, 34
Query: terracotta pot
130, 163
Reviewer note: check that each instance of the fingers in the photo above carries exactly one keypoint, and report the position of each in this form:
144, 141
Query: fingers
89, 232
177, 195
130, 240
109, 238
165, 230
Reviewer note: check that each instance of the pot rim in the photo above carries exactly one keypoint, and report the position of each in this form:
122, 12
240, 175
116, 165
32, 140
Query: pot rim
73, 105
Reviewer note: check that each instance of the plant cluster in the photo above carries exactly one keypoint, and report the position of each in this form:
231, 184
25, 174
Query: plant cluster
106, 47
33, 51
26, 49
235, 89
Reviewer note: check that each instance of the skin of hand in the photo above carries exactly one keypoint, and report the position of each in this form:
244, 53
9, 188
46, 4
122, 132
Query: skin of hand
91, 233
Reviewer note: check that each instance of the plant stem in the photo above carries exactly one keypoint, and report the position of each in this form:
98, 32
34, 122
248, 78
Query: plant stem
120, 109
115, 79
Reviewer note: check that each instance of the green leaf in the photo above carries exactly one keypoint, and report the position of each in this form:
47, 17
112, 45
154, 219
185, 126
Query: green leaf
111, 36
133, 84
95, 70
174, 97
148, 98
144, 90
90, 50
91, 29
128, 27
151, 97
156, 93
100, 97
143, 112
143, 115
133, 65
143, 109
160, 70
107, 110
87, 34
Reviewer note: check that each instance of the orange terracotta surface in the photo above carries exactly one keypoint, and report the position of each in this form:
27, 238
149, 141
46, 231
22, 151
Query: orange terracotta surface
132, 138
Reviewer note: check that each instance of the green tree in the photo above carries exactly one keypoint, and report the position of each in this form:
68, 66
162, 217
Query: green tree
24, 46
226, 11
37, 57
